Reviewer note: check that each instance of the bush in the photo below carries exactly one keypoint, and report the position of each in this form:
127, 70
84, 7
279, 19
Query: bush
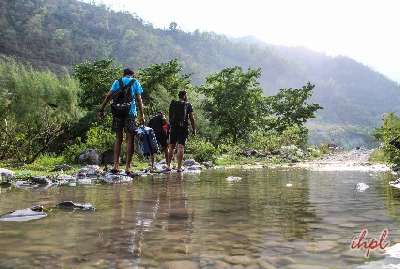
389, 134
45, 162
201, 149
72, 152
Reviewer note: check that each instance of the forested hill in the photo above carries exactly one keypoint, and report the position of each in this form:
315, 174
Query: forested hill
60, 33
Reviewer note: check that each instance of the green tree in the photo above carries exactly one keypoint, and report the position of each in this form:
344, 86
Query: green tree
95, 79
233, 103
289, 107
389, 135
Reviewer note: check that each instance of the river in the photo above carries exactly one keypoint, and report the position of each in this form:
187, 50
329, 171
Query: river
270, 218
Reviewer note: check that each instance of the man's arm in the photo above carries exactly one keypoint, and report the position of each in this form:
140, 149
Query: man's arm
192, 123
140, 105
106, 99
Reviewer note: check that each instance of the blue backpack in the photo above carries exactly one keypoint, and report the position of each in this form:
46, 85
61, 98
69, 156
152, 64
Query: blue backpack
147, 142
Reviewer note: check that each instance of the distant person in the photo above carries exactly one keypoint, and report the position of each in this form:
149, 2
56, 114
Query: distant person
125, 94
161, 128
180, 112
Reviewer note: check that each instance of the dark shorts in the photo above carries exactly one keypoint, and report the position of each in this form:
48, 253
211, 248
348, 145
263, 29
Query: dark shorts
128, 124
178, 136
162, 139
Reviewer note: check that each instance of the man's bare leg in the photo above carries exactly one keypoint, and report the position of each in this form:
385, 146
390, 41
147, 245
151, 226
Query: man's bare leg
129, 151
117, 148
179, 156
170, 154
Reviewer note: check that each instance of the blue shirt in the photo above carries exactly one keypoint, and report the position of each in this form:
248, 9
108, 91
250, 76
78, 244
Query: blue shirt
135, 89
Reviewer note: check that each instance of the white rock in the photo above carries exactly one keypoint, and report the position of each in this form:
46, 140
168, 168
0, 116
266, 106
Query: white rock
233, 178
361, 187
6, 174
289, 185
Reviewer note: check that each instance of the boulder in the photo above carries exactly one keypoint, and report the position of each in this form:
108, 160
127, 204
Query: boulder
40, 180
208, 164
111, 178
76, 206
89, 156
190, 162
62, 167
35, 212
89, 171
250, 153
6, 175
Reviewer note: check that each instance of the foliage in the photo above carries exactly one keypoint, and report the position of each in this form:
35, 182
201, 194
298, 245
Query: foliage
233, 101
95, 79
162, 82
290, 108
389, 135
45, 162
201, 149
72, 152
37, 108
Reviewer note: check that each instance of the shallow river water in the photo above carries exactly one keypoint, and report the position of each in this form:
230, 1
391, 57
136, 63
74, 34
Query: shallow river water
268, 219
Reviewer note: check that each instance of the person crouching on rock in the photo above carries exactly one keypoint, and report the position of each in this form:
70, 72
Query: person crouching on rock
125, 94
160, 126
180, 112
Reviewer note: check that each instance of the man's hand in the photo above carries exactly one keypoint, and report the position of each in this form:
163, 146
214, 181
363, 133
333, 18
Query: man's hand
100, 114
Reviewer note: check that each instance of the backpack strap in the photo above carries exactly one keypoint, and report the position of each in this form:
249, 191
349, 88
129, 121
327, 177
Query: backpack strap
124, 87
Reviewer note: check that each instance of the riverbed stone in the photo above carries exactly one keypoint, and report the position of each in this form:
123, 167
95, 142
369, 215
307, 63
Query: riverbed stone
89, 171
321, 246
190, 162
180, 265
40, 180
74, 206
243, 260
6, 174
89, 156
306, 266
266, 265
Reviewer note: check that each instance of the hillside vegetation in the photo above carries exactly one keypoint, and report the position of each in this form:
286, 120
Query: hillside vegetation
58, 34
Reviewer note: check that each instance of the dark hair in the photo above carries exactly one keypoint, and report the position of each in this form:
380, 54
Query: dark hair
182, 94
128, 72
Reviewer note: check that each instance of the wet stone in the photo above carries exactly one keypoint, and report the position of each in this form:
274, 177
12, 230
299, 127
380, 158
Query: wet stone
180, 265
266, 265
76, 206
27, 214
40, 180
321, 246
243, 260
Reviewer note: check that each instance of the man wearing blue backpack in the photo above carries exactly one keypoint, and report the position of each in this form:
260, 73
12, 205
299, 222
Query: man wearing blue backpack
125, 94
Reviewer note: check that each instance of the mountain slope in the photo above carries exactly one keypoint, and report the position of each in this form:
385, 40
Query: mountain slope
60, 33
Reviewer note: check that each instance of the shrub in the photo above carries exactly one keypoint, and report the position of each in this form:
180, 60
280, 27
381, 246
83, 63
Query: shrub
389, 134
201, 149
72, 152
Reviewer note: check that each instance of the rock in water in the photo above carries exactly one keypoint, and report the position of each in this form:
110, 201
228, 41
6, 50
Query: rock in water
27, 214
89, 156
395, 183
74, 206
208, 164
190, 162
116, 178
40, 180
361, 187
6, 175
233, 178
89, 171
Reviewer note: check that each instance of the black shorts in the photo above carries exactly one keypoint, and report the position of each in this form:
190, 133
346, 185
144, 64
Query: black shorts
127, 123
162, 139
178, 136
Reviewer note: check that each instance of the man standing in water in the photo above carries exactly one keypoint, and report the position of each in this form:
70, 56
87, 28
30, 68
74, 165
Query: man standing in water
180, 112
125, 93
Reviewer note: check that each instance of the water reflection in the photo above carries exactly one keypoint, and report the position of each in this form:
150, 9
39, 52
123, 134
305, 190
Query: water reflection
203, 219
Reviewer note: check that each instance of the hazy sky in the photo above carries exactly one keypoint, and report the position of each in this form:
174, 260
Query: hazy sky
366, 30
